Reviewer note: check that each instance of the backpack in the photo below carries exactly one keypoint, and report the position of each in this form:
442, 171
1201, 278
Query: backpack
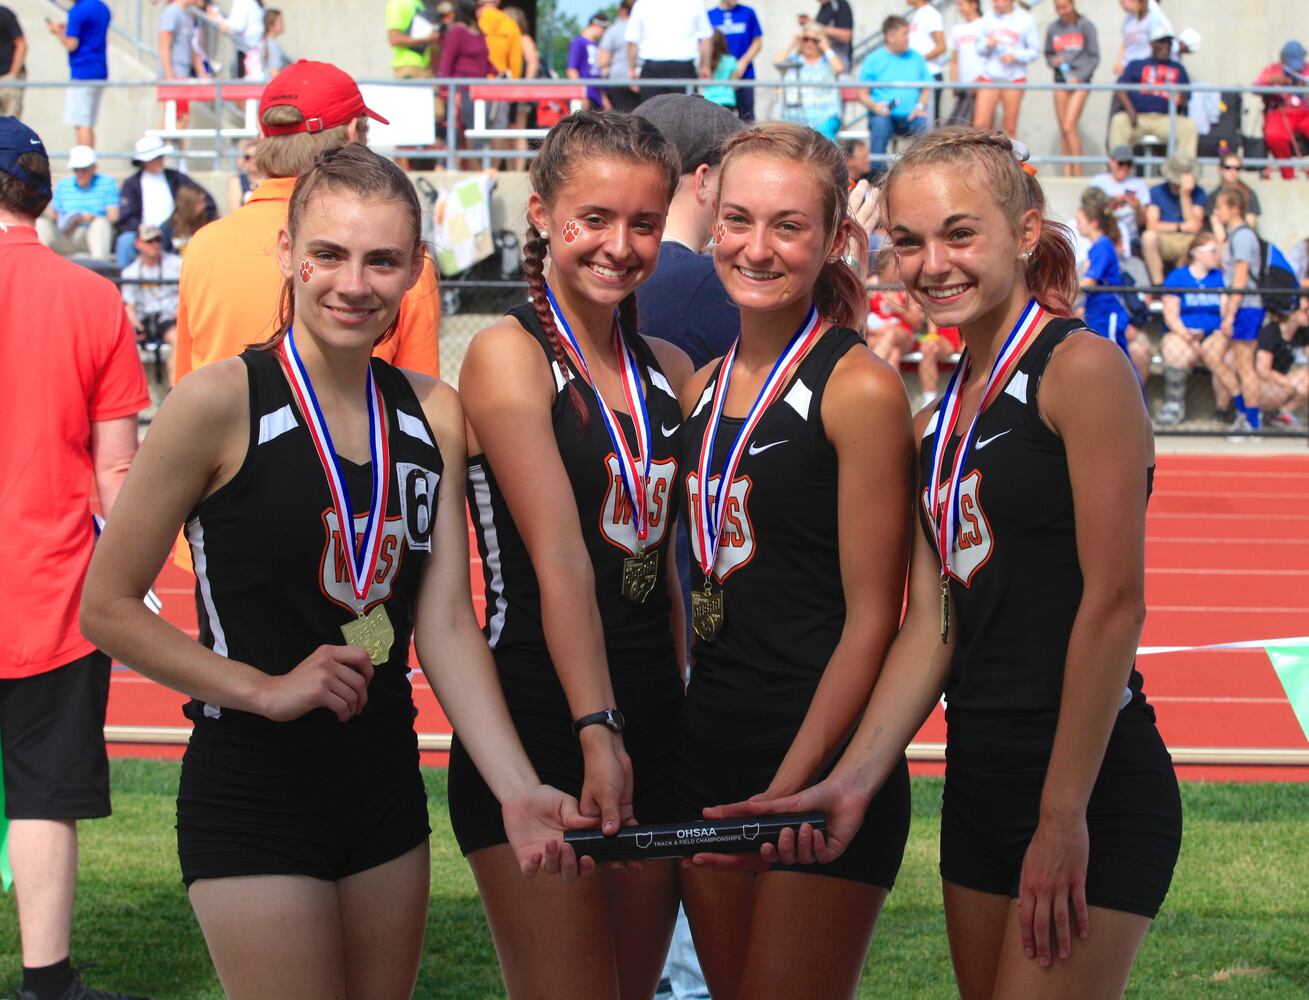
1282, 290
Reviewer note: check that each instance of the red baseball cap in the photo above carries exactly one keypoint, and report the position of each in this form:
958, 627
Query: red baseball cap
324, 94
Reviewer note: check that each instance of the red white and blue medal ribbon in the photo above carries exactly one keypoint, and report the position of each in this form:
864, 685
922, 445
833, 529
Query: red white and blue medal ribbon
712, 513
945, 509
635, 469
362, 561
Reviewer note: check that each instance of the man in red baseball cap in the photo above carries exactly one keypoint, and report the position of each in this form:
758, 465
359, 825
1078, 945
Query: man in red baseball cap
230, 282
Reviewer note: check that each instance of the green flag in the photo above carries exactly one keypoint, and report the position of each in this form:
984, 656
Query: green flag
1292, 666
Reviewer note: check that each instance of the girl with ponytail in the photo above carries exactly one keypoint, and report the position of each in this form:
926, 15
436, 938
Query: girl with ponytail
799, 547
573, 436
1061, 820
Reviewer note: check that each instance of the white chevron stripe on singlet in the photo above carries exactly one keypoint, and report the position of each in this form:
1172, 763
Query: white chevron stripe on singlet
195, 534
277, 423
659, 382
413, 427
482, 497
1017, 387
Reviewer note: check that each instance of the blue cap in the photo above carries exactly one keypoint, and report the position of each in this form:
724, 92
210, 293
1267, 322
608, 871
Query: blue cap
1293, 56
15, 140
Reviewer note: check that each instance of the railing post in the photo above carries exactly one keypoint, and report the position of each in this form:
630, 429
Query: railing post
451, 127
220, 160
1173, 95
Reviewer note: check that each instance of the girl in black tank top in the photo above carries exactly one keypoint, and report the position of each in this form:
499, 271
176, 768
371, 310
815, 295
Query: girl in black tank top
796, 477
315, 482
1061, 820
574, 426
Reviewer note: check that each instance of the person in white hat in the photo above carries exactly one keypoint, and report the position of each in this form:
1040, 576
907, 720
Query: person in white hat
1145, 111
147, 196
82, 214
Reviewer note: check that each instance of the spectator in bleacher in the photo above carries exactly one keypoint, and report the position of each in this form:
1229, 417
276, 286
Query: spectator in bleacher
584, 57
504, 47
231, 283
1229, 175
894, 110
246, 178
1172, 218
1008, 43
191, 213
411, 37
1283, 385
1104, 312
669, 40
744, 37
82, 214
1243, 315
68, 427
1072, 48
927, 38
531, 71
810, 60
1141, 19
180, 55
1298, 258
965, 61
1145, 111
613, 61
85, 36
244, 24
272, 54
858, 165
1128, 196
464, 54
1191, 316
150, 195
13, 63
1286, 116
894, 320
150, 291
836, 21
937, 345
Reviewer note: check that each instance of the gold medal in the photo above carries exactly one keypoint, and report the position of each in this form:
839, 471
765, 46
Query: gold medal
372, 633
945, 608
706, 612
639, 574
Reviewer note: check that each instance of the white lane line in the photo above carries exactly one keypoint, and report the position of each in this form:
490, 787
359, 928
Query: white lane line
1213, 540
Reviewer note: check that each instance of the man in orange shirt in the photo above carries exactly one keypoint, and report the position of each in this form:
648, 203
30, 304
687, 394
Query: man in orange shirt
230, 285
504, 47
69, 422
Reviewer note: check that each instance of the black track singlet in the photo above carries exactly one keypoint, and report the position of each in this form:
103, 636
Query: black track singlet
778, 561
635, 635
271, 578
1016, 582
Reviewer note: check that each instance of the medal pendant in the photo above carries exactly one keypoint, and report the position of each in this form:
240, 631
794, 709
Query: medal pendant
706, 613
945, 609
372, 633
639, 574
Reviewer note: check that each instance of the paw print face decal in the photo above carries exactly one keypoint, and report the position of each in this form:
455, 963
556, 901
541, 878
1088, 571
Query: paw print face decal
720, 233
306, 270
571, 231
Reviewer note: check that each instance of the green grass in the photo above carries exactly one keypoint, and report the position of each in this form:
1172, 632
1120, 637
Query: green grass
1236, 924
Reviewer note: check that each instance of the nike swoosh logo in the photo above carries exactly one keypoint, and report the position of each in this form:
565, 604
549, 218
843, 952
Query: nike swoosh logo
759, 450
34, 142
983, 443
669, 431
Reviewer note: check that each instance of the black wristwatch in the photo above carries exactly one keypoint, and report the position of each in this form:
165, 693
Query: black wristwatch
610, 718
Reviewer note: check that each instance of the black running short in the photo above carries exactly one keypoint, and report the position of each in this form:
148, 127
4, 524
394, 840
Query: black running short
323, 799
995, 773
52, 727
649, 702
709, 774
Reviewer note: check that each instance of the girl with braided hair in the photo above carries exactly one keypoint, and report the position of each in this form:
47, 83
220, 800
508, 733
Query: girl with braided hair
573, 430
1061, 820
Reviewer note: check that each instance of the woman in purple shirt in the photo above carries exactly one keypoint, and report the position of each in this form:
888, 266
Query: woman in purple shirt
464, 55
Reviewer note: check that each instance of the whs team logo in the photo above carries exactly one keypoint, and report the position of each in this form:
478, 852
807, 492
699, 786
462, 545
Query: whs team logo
736, 545
974, 543
334, 574
616, 522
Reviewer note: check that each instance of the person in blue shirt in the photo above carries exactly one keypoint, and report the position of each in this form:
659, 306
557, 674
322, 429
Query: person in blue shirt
1145, 112
1189, 318
1173, 216
84, 36
1104, 311
84, 210
740, 27
894, 110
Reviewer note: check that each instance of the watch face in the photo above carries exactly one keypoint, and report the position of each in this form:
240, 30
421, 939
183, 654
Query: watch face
616, 722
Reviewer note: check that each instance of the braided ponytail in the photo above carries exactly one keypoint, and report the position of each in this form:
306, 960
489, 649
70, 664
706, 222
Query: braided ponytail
535, 247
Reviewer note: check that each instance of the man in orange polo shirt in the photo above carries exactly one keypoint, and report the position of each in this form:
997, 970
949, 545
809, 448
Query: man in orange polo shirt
230, 284
504, 47
73, 389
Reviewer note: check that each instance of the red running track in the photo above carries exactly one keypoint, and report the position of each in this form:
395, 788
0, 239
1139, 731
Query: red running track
1225, 562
